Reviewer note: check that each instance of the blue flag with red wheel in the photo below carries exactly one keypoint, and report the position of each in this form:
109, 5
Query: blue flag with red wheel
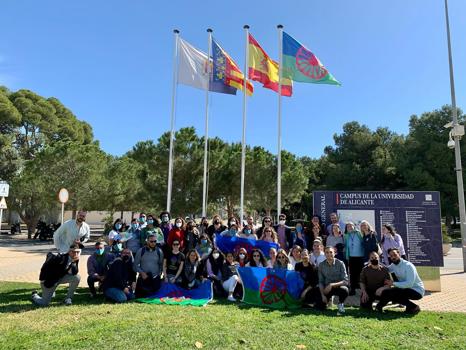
274, 288
300, 64
234, 244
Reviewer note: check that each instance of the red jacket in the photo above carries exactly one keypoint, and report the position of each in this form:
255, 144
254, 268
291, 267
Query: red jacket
176, 234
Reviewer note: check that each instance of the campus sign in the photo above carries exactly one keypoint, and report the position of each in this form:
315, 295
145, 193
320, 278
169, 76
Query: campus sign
415, 216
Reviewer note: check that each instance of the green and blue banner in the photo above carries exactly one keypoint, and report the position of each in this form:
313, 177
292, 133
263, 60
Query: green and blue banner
274, 288
171, 294
300, 64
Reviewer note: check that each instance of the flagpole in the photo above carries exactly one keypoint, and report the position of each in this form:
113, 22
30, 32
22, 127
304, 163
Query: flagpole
279, 155
206, 137
243, 145
456, 138
172, 127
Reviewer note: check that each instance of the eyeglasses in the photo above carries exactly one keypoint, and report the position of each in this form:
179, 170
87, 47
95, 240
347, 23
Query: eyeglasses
152, 241
175, 244
256, 256
281, 257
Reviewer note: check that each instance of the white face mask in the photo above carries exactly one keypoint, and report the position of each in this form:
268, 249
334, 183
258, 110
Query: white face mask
282, 222
242, 256
232, 223
178, 224
215, 255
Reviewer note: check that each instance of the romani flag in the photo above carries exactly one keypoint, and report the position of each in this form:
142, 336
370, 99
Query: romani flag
226, 71
300, 64
265, 70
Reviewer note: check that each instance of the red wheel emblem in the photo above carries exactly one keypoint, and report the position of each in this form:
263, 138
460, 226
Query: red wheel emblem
175, 294
272, 289
309, 65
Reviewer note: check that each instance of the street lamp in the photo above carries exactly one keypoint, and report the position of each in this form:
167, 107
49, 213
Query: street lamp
457, 131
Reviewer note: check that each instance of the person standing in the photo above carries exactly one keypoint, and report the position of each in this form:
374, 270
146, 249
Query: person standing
59, 269
165, 225
370, 241
285, 239
72, 231
391, 239
354, 255
149, 264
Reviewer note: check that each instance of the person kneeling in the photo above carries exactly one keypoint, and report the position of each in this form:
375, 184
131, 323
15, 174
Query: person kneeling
408, 285
372, 280
230, 276
120, 281
59, 269
333, 279
309, 274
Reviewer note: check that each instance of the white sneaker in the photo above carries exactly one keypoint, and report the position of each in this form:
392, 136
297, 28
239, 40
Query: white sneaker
231, 298
68, 302
341, 309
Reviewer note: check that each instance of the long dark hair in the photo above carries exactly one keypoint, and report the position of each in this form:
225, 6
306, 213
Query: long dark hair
216, 264
262, 258
390, 229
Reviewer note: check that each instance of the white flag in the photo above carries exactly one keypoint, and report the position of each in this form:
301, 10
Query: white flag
192, 68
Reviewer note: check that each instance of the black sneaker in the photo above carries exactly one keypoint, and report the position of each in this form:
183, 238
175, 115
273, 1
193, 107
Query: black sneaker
379, 308
413, 311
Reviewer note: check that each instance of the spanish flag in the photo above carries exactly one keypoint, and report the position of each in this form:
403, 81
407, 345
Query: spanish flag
264, 70
226, 71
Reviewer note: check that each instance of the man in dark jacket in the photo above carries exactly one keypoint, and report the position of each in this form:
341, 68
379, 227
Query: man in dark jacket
97, 266
59, 269
120, 281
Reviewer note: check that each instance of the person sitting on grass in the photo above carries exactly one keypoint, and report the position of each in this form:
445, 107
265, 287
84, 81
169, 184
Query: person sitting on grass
59, 269
192, 274
258, 259
97, 266
230, 275
204, 247
333, 279
173, 264
372, 280
295, 255
282, 261
407, 284
273, 257
317, 255
149, 264
120, 283
213, 271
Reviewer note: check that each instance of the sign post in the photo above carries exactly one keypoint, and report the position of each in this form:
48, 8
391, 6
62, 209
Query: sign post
2, 206
63, 198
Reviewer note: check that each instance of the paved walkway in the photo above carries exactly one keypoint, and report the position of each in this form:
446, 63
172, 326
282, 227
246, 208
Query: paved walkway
20, 261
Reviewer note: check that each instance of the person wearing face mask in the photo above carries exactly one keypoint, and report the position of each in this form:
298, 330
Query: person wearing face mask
216, 228
371, 281
247, 232
165, 224
152, 228
242, 257
213, 266
117, 247
230, 275
120, 282
97, 265
204, 225
72, 231
231, 231
285, 237
406, 286
204, 247
191, 236
300, 237
115, 232
142, 221
133, 237
177, 233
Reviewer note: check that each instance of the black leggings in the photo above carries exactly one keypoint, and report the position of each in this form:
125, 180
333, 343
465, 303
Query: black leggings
356, 264
401, 296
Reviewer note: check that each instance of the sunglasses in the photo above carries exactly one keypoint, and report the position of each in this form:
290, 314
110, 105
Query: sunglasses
175, 244
268, 231
256, 256
152, 241
266, 220
281, 257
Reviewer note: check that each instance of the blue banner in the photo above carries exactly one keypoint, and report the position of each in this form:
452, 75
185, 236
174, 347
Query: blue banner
172, 294
234, 244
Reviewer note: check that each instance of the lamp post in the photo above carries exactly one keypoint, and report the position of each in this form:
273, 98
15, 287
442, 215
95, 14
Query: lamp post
456, 133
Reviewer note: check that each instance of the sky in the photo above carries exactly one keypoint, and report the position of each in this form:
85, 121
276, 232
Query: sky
110, 62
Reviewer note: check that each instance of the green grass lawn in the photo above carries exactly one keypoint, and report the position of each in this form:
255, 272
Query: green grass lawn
99, 325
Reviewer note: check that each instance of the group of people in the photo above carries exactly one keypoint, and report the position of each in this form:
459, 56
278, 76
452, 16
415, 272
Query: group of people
152, 250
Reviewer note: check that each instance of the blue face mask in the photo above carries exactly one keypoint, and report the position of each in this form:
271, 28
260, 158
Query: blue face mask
204, 241
100, 251
119, 246
233, 231
150, 222
247, 231
118, 226
299, 229
134, 226
142, 220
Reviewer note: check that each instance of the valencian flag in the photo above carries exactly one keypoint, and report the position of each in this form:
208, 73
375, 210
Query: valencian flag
171, 294
234, 244
265, 70
192, 70
300, 64
226, 71
274, 288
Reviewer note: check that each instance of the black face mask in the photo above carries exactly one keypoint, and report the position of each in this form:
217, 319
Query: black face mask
125, 258
374, 262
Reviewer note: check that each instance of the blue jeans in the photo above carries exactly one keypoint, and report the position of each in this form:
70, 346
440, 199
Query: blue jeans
117, 295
